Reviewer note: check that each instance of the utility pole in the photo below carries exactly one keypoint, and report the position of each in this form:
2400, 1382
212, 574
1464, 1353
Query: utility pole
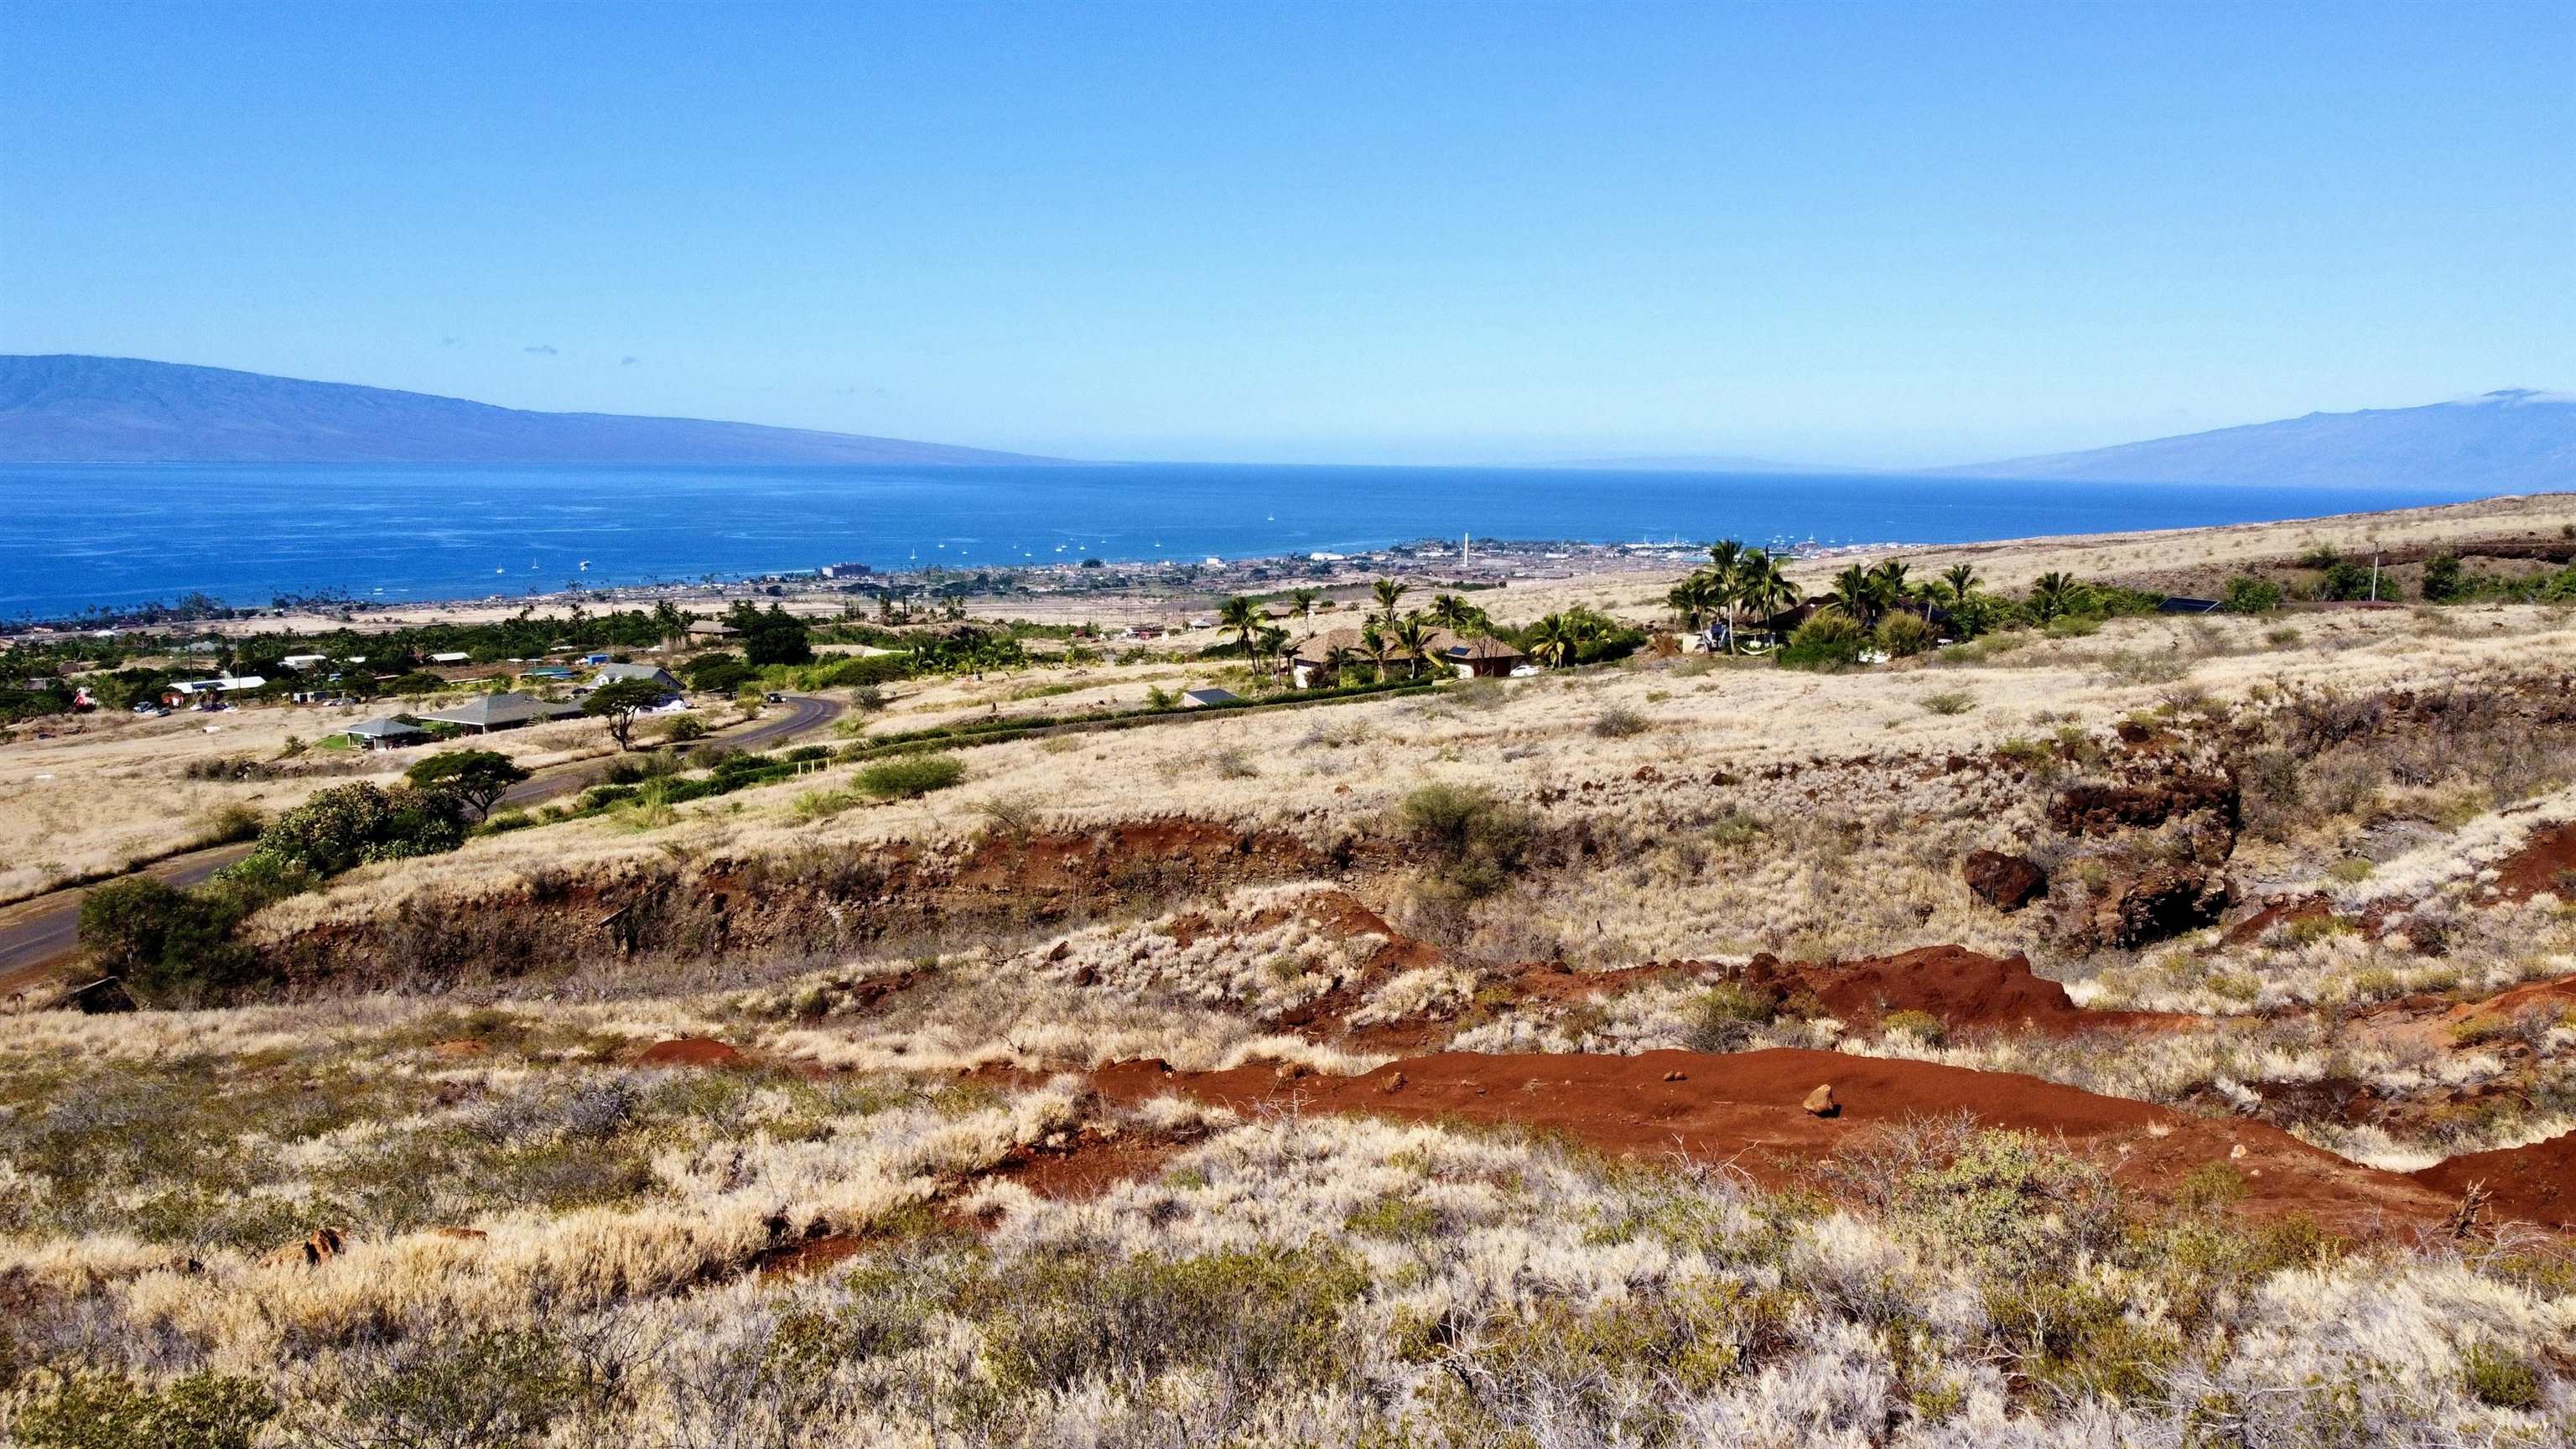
2374, 576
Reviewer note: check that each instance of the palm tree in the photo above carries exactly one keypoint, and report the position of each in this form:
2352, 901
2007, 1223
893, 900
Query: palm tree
1451, 612
1373, 641
1961, 577
1695, 598
1892, 583
1305, 601
1855, 592
1413, 640
1551, 640
1340, 660
2053, 596
1726, 559
1758, 587
1242, 616
1388, 591
669, 622
1272, 643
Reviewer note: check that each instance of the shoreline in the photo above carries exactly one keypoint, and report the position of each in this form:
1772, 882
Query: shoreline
1134, 591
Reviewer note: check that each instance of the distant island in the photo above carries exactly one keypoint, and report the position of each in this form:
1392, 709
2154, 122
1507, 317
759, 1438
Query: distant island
2513, 441
77, 409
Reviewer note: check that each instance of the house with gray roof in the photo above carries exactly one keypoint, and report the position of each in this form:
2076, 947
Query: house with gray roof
490, 712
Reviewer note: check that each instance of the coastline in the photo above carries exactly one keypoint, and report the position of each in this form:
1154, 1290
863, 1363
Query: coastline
1136, 592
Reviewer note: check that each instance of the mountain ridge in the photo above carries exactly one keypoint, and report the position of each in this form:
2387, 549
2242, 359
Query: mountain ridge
2513, 440
78, 408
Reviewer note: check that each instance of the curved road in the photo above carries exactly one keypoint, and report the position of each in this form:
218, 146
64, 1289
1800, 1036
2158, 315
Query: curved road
40, 933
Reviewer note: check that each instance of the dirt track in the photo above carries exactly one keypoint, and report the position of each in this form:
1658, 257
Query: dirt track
40, 934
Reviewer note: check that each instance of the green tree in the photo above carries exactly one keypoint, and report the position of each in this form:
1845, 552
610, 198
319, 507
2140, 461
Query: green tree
1243, 616
1412, 640
2054, 596
2442, 582
619, 703
2246, 594
1388, 591
1306, 599
477, 777
1551, 641
1855, 593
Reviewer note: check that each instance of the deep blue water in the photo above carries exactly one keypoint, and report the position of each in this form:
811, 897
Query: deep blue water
76, 536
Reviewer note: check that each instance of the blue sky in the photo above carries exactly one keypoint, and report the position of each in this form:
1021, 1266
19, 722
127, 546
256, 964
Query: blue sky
1336, 232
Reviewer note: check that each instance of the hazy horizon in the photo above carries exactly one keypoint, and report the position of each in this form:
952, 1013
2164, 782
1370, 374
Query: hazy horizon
1853, 236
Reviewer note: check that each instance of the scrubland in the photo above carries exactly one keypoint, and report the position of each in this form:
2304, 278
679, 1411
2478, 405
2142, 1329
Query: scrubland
1197, 1083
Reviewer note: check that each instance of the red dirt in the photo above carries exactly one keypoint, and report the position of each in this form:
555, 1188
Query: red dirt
2540, 865
2533, 1184
1087, 1166
691, 1051
2274, 913
1967, 990
1744, 1108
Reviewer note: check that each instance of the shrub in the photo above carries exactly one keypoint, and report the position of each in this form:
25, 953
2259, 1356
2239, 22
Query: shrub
684, 730
2442, 582
1950, 701
1828, 641
226, 824
909, 777
489, 1387
1619, 724
1723, 1018
1902, 636
1922, 1025
2246, 594
2500, 1378
106, 1410
1258, 1316
1477, 841
350, 825
717, 673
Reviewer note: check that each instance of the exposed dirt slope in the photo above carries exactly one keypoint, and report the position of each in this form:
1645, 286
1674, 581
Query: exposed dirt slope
1745, 1109
2533, 1184
1967, 990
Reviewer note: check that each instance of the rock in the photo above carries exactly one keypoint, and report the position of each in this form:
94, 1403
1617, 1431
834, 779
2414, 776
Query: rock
319, 1247
2006, 882
2107, 809
1821, 1103
2154, 903
1673, 1077
1394, 1083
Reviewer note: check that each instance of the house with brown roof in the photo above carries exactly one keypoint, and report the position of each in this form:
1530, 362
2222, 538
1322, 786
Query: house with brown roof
1313, 660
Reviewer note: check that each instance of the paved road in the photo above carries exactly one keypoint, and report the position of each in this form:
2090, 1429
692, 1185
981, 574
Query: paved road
39, 934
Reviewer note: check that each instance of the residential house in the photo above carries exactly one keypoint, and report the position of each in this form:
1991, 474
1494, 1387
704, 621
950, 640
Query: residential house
503, 712
392, 732
710, 629
1313, 661
623, 673
1485, 658
452, 656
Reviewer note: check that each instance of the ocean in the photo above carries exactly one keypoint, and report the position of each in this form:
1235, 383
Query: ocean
73, 537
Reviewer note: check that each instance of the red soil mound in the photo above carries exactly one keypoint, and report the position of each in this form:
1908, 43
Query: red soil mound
690, 1051
2533, 1184
2546, 862
1967, 990
1745, 1108
1086, 1166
